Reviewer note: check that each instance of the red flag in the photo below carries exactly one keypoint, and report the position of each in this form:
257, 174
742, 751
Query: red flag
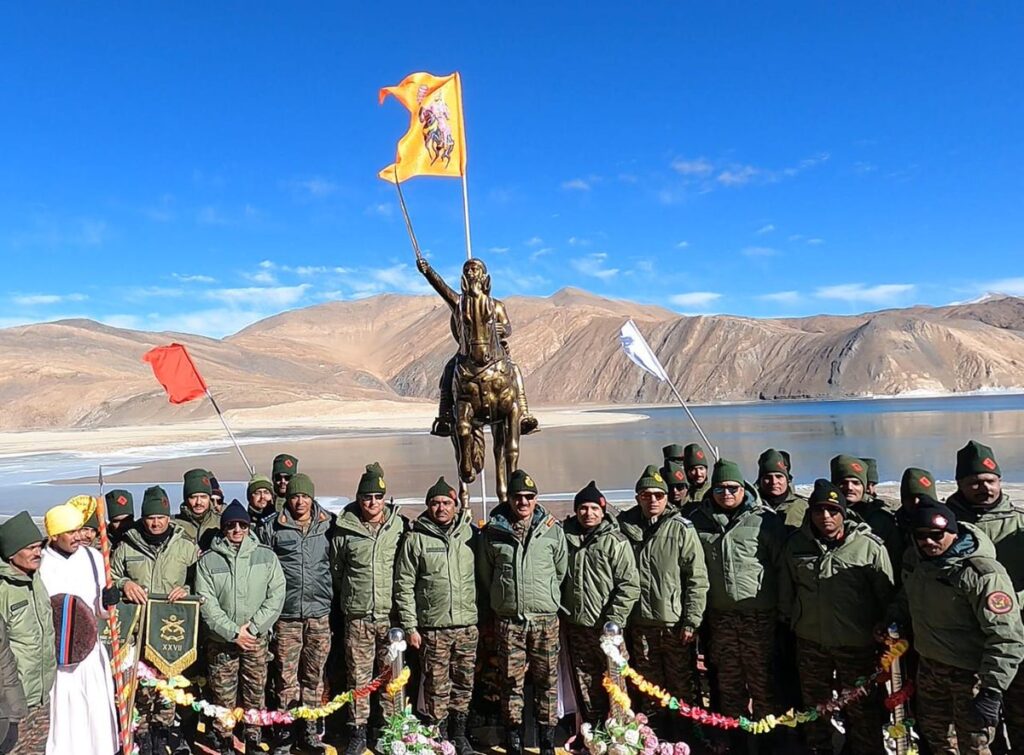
174, 369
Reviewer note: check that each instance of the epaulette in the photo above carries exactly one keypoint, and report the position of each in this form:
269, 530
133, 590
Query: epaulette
619, 535
550, 521
872, 536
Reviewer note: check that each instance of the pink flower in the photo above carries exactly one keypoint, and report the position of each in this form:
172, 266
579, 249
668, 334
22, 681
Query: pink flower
447, 748
681, 748
641, 719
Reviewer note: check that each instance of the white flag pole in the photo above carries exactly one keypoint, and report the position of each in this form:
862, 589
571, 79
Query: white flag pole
643, 356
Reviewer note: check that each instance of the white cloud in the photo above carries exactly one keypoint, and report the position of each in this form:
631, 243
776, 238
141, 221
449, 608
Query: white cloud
498, 249
696, 167
695, 299
1009, 286
856, 293
542, 252
759, 251
577, 241
737, 175
36, 300
683, 245
594, 265
264, 277
535, 241
576, 184
210, 215
815, 241
381, 209
261, 296
193, 278
795, 237
765, 229
781, 297
316, 187
140, 293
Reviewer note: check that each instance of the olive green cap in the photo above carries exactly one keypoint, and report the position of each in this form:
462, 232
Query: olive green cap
196, 481
18, 532
520, 482
976, 458
300, 484
673, 451
119, 502
285, 464
773, 460
844, 466
155, 502
651, 478
258, 482
694, 456
372, 480
440, 489
872, 467
726, 471
674, 472
916, 482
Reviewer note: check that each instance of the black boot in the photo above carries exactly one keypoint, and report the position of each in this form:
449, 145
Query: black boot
442, 729
356, 740
457, 729
252, 742
159, 737
144, 741
442, 427
514, 740
309, 739
547, 740
282, 741
226, 743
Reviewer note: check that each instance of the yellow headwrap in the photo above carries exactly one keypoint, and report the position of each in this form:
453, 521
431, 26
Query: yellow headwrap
63, 518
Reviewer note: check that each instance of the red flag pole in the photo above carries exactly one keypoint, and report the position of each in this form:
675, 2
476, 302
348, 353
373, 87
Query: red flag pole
248, 466
113, 624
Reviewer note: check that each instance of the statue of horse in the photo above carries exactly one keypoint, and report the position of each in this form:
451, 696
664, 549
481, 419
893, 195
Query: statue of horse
484, 386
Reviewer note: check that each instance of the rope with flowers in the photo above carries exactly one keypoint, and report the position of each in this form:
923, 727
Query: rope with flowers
766, 724
174, 690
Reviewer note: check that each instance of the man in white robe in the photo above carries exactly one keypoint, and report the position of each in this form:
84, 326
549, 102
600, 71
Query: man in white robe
83, 720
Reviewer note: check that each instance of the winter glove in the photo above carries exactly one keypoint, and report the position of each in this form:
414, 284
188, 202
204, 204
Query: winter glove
987, 704
111, 596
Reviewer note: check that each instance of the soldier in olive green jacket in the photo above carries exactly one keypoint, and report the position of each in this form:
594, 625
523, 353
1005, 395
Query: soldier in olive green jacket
835, 593
967, 630
435, 599
197, 518
363, 551
673, 589
602, 585
850, 474
981, 501
742, 543
25, 609
775, 486
244, 589
12, 697
154, 558
521, 565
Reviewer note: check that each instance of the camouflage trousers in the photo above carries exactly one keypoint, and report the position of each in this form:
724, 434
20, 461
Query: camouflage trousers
448, 662
366, 655
529, 647
742, 651
33, 730
152, 708
237, 678
660, 656
864, 718
1013, 705
945, 716
300, 651
589, 665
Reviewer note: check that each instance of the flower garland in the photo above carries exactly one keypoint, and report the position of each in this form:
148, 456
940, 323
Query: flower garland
766, 724
404, 734
174, 690
630, 736
395, 685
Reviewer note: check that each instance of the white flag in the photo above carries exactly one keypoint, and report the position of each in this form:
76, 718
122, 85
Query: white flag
639, 352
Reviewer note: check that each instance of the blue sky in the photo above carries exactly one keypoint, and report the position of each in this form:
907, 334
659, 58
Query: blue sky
199, 166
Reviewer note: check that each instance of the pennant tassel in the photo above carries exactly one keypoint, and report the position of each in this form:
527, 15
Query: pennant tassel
642, 355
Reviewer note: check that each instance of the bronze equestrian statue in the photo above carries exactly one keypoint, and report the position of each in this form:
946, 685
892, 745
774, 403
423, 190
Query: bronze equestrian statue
481, 385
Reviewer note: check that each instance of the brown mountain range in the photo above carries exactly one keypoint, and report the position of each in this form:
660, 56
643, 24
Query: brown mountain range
79, 373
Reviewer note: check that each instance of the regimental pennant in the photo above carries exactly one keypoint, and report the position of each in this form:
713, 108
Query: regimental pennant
435, 144
172, 631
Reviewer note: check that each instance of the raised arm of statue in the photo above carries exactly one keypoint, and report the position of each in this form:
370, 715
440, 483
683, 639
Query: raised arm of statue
450, 295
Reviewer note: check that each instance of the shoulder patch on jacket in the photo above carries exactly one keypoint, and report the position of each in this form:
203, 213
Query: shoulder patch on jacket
999, 602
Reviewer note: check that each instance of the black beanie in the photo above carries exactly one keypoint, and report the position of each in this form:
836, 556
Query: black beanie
234, 512
826, 494
589, 494
932, 515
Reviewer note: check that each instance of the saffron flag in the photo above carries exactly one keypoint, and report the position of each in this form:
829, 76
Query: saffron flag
174, 369
640, 352
435, 144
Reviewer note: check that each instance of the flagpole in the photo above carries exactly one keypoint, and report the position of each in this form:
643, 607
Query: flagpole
714, 449
251, 469
465, 212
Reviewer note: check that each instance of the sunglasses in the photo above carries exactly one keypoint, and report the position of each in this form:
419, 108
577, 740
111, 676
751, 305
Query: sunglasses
934, 535
236, 526
525, 496
652, 495
282, 477
372, 496
830, 510
727, 489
